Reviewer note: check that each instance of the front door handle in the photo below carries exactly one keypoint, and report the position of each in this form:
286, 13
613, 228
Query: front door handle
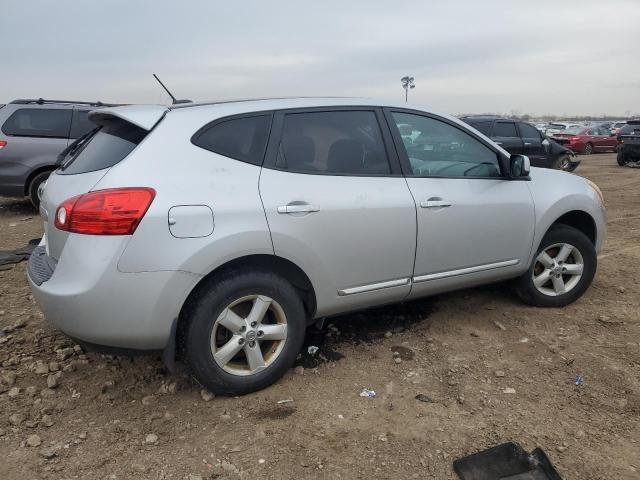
526, 144
435, 204
305, 208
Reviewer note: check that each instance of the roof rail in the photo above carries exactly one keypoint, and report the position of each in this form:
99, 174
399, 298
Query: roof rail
42, 101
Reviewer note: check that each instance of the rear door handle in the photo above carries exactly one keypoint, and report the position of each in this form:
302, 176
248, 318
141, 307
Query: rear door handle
526, 144
298, 209
435, 204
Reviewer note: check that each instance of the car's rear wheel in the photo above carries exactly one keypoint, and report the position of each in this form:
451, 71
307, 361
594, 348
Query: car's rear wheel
244, 332
588, 149
562, 269
34, 187
621, 160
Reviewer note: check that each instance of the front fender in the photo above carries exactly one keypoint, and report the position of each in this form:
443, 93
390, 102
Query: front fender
557, 193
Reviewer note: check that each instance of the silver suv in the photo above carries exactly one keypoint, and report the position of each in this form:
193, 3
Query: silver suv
33, 132
226, 229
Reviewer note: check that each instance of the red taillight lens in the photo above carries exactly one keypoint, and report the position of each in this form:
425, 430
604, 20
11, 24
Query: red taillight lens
115, 211
2, 144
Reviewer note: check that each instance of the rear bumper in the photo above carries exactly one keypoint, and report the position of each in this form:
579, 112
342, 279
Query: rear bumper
87, 297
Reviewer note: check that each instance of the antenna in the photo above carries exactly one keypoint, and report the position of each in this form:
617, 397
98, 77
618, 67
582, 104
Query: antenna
174, 101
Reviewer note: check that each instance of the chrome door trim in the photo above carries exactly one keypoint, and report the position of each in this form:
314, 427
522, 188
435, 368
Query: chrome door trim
464, 271
301, 208
374, 286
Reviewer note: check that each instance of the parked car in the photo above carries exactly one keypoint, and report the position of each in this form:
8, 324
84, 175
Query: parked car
629, 143
587, 140
523, 138
223, 230
559, 127
32, 134
617, 126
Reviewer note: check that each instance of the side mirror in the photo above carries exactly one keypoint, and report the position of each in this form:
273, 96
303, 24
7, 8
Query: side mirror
612, 134
520, 166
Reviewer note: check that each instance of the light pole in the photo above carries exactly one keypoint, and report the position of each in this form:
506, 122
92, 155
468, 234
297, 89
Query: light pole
407, 83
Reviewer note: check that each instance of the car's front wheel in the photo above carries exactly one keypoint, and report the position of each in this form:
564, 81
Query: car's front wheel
562, 269
244, 332
588, 149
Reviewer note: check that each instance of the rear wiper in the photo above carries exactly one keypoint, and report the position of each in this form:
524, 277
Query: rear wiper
75, 146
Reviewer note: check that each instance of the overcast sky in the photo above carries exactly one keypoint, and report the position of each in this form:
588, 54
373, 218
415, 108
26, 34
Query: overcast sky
535, 56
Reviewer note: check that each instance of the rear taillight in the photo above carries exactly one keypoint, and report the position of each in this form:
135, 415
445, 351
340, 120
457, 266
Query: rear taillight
116, 211
2, 144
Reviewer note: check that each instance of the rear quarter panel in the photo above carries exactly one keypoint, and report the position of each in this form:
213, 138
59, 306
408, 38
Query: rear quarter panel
184, 174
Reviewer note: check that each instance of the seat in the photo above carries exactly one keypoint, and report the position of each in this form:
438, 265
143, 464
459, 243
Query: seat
299, 154
345, 156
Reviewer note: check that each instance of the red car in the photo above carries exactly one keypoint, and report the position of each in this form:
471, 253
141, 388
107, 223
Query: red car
587, 140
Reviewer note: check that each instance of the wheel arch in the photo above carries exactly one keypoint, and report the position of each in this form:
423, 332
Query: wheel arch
580, 220
34, 173
272, 263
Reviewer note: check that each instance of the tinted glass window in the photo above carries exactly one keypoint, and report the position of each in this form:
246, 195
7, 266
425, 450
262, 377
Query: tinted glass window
528, 131
111, 144
438, 149
629, 129
241, 138
81, 123
483, 126
333, 143
504, 129
38, 122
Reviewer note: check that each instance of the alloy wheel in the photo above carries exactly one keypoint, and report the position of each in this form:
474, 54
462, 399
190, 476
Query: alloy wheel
249, 335
558, 269
588, 149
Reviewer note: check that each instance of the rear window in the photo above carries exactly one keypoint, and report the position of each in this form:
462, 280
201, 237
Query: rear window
38, 122
110, 145
243, 138
81, 123
630, 129
483, 127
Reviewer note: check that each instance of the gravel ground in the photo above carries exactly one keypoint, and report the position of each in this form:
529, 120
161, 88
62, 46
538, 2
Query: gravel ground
493, 369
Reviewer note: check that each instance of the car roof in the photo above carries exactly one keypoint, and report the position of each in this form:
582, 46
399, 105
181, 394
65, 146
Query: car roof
278, 103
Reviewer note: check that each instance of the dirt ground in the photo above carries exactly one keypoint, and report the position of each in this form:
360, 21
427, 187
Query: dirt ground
111, 417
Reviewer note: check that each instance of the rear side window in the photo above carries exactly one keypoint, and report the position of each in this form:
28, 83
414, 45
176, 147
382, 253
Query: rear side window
483, 127
243, 138
504, 129
528, 131
333, 143
630, 129
111, 144
38, 122
81, 123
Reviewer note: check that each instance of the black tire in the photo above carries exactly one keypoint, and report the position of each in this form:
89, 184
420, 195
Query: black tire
207, 306
572, 166
588, 149
620, 158
563, 162
560, 234
34, 185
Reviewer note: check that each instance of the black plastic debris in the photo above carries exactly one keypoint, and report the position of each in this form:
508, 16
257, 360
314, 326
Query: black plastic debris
8, 257
508, 461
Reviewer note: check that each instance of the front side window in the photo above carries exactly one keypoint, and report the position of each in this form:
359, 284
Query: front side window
528, 131
38, 122
332, 143
438, 149
243, 138
505, 129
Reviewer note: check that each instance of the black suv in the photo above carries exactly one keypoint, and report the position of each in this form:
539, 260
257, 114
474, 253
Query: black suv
522, 138
32, 135
629, 144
